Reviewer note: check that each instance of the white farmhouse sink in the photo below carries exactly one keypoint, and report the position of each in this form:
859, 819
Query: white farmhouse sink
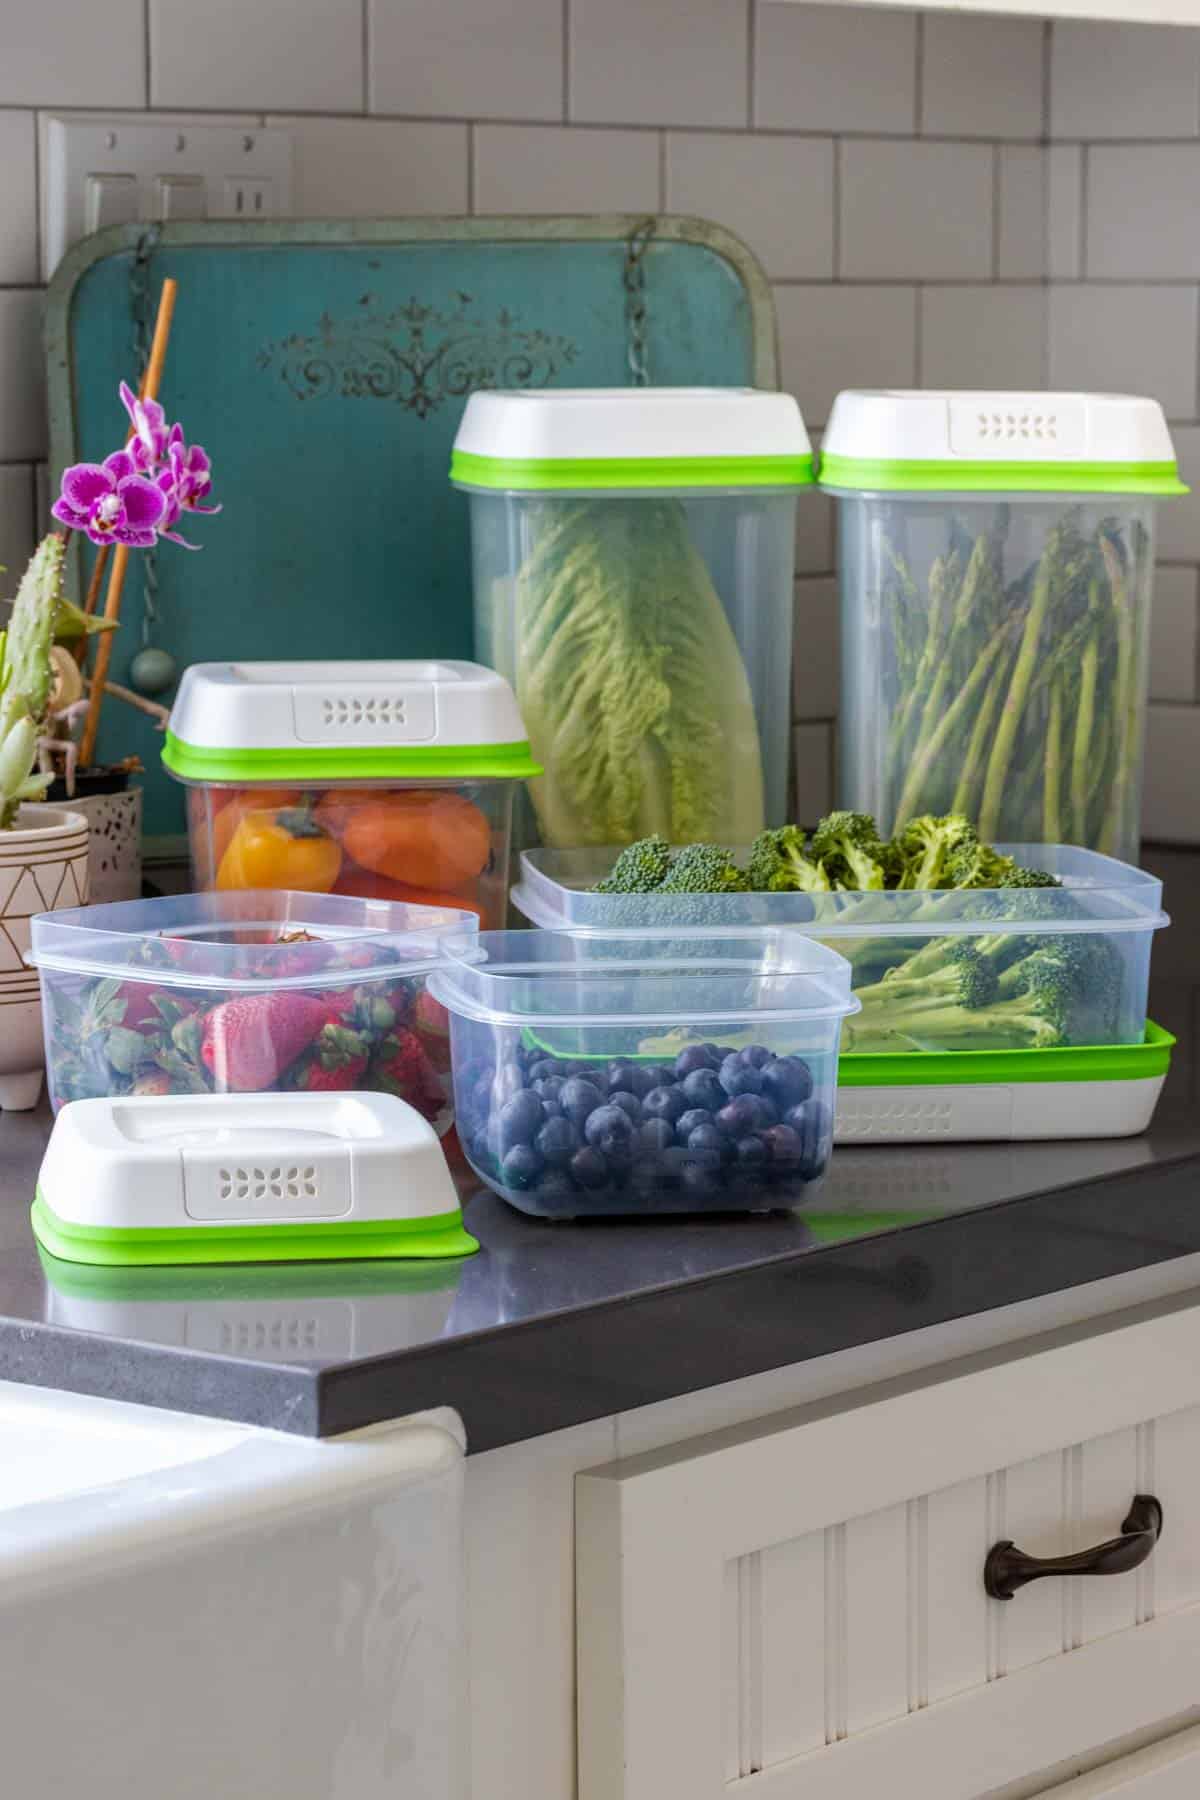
190, 1609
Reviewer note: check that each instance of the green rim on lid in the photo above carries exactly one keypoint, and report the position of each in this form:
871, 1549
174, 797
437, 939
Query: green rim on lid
438, 762
965, 477
546, 474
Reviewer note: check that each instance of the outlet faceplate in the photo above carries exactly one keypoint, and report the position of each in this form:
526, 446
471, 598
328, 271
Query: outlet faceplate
106, 171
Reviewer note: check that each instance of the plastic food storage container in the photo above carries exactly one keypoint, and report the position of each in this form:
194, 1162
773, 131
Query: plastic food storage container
245, 993
602, 1075
996, 570
386, 780
633, 555
1108, 909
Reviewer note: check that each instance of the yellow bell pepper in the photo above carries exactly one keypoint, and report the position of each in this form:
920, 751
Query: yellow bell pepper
281, 850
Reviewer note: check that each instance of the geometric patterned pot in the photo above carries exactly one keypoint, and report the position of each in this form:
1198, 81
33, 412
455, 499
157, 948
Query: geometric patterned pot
115, 844
43, 865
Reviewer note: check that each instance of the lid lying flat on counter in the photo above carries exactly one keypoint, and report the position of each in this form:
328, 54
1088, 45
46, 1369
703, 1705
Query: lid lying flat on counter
534, 440
911, 440
322, 721
227, 1178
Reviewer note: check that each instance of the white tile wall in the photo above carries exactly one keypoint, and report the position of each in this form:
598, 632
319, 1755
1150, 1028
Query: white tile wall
16, 525
812, 771
775, 192
893, 171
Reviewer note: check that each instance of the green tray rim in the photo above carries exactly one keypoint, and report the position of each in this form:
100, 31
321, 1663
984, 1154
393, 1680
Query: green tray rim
972, 1068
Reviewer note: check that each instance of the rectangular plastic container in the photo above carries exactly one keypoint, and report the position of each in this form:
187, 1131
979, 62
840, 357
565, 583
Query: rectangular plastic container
245, 993
385, 780
1099, 898
996, 565
608, 1075
633, 554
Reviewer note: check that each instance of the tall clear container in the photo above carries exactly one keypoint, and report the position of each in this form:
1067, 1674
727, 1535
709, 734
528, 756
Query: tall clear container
633, 554
997, 562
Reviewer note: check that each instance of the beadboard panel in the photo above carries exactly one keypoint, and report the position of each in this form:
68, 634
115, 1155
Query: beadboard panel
859, 1648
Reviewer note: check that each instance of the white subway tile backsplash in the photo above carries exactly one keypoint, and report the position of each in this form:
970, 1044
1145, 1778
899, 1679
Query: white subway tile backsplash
16, 524
376, 168
260, 55
1177, 527
22, 383
983, 337
982, 77
835, 337
1064, 211
466, 58
646, 62
1173, 635
1126, 339
812, 772
60, 53
1021, 237
1123, 81
556, 168
916, 211
815, 648
18, 198
1143, 210
776, 193
830, 68
1171, 799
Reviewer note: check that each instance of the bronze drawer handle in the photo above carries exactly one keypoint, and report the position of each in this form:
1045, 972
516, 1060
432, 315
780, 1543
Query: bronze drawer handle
1008, 1568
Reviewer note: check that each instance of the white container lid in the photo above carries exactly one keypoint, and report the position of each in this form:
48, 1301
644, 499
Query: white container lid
916, 440
322, 721
530, 440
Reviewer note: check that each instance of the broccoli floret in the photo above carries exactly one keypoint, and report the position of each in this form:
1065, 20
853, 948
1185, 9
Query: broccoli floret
1029, 878
925, 846
704, 869
850, 850
778, 864
976, 865
640, 868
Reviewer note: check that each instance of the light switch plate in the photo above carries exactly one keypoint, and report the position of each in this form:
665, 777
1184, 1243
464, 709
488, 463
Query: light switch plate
167, 162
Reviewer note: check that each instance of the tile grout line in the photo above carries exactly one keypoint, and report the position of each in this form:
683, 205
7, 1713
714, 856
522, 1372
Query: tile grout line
471, 151
1081, 246
146, 52
919, 76
566, 61
366, 56
751, 56
997, 198
836, 245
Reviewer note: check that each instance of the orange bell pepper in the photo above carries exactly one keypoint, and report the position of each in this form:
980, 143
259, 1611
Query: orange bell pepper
420, 837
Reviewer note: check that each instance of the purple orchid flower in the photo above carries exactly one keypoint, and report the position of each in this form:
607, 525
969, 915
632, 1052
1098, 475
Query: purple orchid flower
148, 444
111, 501
185, 483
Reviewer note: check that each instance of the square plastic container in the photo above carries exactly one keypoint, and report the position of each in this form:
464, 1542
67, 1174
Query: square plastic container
385, 780
609, 1075
633, 553
246, 993
1100, 899
996, 566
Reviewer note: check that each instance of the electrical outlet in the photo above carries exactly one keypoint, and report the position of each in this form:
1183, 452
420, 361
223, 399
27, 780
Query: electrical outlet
107, 171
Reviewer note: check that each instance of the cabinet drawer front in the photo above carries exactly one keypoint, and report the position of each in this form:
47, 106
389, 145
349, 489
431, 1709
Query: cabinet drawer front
796, 1608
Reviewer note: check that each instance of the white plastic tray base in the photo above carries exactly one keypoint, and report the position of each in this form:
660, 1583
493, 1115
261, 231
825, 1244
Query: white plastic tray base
1018, 1110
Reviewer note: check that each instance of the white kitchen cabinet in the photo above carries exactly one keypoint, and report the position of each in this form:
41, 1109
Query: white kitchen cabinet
1142, 12
794, 1608
1166, 1770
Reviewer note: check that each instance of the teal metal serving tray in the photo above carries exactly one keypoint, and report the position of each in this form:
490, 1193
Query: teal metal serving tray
325, 366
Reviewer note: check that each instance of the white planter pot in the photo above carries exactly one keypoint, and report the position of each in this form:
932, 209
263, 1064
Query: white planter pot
43, 865
115, 845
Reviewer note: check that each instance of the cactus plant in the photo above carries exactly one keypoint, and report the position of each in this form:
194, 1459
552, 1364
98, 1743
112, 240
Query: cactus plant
26, 677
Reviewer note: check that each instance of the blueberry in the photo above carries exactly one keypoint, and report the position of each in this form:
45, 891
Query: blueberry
506, 1084
739, 1078
787, 1081
700, 1179
545, 1068
555, 1193
619, 1075
820, 1120
737, 1117
785, 1144
706, 1137
521, 1167
589, 1168
557, 1142
655, 1134
608, 1128
520, 1120
751, 1153
665, 1103
548, 1087
696, 1056
701, 1088
755, 1056
481, 1093
652, 1075
646, 1177
578, 1098
688, 1121
628, 1103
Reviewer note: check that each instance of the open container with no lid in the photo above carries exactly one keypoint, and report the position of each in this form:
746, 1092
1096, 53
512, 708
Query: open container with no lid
606, 1075
387, 780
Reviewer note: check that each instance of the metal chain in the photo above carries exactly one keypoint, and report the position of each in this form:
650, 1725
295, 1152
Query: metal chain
634, 278
139, 309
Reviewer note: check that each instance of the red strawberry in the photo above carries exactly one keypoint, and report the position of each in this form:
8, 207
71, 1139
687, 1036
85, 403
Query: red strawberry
400, 1066
140, 1014
336, 1061
432, 1022
152, 1081
248, 1043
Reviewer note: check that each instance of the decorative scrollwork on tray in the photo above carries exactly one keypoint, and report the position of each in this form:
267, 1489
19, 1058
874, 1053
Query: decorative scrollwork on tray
416, 356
